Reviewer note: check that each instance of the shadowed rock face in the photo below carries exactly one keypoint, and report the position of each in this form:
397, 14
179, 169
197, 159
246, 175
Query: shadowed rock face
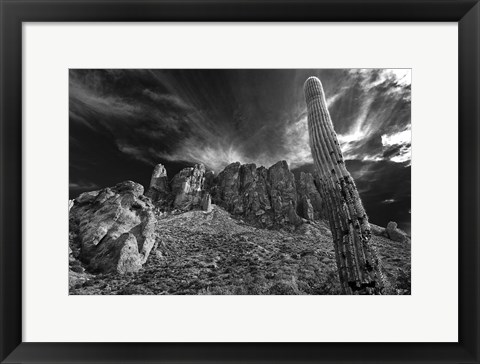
207, 203
159, 188
266, 196
283, 194
113, 228
309, 200
242, 190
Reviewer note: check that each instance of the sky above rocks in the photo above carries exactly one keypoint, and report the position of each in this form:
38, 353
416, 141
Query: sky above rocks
124, 122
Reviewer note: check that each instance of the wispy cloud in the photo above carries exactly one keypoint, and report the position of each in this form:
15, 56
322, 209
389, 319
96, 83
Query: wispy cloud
217, 118
85, 97
83, 185
389, 201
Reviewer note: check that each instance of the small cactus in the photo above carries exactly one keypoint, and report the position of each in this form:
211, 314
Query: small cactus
357, 261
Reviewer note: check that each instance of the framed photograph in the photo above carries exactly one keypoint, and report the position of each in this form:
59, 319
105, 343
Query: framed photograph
246, 181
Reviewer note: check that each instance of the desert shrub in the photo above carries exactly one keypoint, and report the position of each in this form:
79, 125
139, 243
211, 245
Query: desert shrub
285, 287
326, 283
403, 284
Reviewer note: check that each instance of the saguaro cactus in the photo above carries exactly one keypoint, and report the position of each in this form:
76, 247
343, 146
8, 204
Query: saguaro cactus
357, 261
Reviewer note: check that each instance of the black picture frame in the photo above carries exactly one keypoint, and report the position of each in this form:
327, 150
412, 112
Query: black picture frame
14, 12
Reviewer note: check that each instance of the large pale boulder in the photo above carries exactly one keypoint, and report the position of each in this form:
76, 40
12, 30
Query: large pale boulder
114, 228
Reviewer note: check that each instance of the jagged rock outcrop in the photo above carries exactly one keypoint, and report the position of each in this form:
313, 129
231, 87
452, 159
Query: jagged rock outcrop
283, 194
394, 233
270, 196
242, 190
159, 189
207, 203
225, 192
114, 228
209, 181
306, 209
188, 187
266, 196
309, 199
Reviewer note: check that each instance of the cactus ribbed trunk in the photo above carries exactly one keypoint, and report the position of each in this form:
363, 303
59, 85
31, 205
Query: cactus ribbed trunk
357, 261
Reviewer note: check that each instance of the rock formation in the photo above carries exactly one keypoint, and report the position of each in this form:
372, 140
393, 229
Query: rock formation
283, 194
306, 208
309, 199
357, 261
113, 228
188, 187
265, 196
269, 197
209, 181
395, 233
207, 203
159, 189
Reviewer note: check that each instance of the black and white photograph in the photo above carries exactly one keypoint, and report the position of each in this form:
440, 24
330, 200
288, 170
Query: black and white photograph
239, 182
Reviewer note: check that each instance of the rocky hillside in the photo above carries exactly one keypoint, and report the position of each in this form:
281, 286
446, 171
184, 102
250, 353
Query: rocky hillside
200, 252
247, 230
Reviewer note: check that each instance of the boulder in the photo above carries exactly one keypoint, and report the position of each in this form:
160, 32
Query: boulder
394, 233
114, 228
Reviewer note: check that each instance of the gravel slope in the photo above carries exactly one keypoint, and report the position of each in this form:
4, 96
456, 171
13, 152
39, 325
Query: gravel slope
213, 253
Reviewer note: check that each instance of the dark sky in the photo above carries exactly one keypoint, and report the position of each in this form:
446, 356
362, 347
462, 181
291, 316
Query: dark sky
123, 122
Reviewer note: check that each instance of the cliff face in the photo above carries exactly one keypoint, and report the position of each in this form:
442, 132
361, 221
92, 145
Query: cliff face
309, 200
269, 197
188, 188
